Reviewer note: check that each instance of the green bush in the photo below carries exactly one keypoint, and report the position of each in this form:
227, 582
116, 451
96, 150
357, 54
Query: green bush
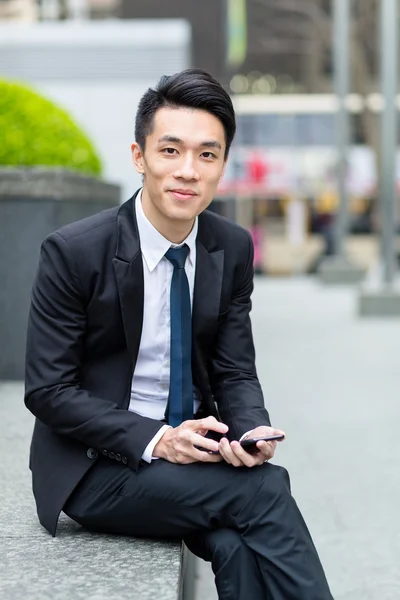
33, 131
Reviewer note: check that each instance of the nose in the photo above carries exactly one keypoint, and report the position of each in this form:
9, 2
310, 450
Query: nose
187, 169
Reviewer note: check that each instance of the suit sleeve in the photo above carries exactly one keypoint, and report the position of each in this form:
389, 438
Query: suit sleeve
54, 352
233, 375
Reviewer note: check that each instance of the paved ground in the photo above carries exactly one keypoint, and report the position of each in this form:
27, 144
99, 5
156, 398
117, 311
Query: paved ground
332, 382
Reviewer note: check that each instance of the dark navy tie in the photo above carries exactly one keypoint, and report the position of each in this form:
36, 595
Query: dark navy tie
180, 401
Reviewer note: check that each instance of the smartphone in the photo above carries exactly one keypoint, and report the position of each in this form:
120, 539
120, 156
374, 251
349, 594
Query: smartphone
250, 444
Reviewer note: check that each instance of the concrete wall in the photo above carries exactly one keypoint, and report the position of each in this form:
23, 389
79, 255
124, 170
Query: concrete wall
33, 203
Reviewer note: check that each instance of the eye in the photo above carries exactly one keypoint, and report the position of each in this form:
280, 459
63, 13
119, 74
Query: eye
170, 151
209, 155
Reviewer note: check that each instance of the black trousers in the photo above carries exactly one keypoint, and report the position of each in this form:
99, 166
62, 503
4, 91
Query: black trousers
245, 521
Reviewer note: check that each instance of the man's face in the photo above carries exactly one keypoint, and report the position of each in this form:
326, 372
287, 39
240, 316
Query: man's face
182, 164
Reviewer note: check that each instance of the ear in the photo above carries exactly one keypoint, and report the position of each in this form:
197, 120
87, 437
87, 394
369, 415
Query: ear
137, 158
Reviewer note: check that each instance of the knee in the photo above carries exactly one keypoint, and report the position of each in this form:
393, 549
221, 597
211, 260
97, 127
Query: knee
217, 545
228, 548
226, 541
277, 478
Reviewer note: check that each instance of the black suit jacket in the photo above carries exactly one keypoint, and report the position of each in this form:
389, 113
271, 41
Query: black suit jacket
83, 339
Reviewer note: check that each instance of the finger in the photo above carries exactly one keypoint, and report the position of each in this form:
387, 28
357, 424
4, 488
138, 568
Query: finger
249, 460
200, 441
231, 459
265, 453
267, 449
189, 451
206, 457
229, 454
210, 423
224, 454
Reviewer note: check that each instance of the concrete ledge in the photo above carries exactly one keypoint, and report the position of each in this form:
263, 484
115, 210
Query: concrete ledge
76, 564
336, 271
55, 184
379, 303
85, 566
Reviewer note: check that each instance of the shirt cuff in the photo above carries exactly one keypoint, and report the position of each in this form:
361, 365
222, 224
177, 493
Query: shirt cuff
148, 451
245, 434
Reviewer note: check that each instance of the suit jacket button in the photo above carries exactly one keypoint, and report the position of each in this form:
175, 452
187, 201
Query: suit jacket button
111, 455
104, 452
124, 460
118, 457
92, 453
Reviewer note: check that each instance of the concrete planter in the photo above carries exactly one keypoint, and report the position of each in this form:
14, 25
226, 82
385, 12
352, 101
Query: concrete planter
33, 203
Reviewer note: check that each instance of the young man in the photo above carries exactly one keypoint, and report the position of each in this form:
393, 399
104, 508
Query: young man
140, 344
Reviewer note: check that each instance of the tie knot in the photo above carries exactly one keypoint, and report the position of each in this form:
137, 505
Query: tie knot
178, 256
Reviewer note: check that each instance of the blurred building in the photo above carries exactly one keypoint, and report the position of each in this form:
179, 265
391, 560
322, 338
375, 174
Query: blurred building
284, 47
290, 41
101, 9
33, 10
285, 40
208, 22
18, 10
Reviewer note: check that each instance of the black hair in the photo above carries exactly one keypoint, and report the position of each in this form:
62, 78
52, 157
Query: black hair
192, 88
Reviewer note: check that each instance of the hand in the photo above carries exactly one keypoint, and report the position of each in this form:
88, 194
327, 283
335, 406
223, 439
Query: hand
235, 455
177, 443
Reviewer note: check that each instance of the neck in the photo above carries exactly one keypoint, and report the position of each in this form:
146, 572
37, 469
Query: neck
174, 231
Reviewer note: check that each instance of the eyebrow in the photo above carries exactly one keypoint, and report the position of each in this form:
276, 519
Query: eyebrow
175, 140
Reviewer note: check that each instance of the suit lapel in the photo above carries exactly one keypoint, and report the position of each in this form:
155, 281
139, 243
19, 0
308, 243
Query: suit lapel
128, 268
208, 282
206, 302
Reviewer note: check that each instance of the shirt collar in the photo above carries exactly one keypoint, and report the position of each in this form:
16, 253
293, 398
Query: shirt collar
154, 245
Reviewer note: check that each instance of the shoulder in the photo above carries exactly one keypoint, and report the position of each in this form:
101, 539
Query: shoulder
91, 226
224, 231
87, 236
82, 242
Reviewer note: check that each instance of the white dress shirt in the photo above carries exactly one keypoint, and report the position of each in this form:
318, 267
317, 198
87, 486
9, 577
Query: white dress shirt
150, 382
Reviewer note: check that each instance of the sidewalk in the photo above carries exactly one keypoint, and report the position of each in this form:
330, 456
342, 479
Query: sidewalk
332, 382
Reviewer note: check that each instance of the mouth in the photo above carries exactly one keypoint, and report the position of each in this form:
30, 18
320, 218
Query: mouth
182, 194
